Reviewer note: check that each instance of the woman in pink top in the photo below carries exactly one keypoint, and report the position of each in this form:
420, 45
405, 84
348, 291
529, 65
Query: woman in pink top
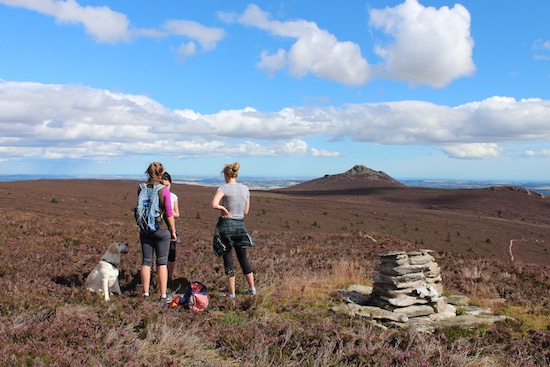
157, 242
167, 181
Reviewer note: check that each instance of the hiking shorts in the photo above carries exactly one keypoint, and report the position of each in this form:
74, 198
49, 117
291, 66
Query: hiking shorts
157, 243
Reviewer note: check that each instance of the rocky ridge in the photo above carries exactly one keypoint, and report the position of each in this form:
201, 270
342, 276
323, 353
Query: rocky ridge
358, 177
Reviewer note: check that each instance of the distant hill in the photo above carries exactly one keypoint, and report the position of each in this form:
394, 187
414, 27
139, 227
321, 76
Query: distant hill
357, 178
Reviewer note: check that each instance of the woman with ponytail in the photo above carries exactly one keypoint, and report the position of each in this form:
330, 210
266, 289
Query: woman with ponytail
157, 242
232, 199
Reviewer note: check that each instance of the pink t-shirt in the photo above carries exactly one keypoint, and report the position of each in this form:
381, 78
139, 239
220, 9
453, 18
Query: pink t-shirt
169, 211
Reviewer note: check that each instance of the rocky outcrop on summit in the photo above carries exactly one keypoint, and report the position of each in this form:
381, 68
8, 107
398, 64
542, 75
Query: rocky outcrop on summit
515, 189
357, 178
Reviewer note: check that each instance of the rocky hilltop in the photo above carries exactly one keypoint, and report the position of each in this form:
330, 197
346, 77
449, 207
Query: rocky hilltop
357, 178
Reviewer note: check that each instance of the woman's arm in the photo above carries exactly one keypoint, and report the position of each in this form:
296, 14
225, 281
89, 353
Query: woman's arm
176, 209
216, 204
172, 225
169, 212
247, 206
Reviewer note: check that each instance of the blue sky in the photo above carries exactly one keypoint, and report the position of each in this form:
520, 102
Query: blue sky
417, 89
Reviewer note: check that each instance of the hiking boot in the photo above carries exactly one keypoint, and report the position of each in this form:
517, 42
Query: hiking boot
228, 295
166, 299
250, 291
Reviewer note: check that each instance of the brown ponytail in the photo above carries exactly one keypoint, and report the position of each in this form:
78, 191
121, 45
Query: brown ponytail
155, 171
231, 170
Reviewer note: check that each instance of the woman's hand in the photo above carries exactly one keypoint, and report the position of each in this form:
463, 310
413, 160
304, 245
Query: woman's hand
172, 226
216, 205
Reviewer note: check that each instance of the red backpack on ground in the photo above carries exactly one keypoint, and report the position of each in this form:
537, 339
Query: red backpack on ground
194, 298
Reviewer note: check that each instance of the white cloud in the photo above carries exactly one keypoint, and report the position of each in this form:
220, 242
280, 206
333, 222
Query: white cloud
430, 46
294, 147
77, 121
323, 153
108, 26
541, 46
315, 51
473, 151
102, 23
185, 50
272, 63
9, 151
206, 36
541, 153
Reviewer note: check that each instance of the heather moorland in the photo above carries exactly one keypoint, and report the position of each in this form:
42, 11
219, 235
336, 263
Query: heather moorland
491, 245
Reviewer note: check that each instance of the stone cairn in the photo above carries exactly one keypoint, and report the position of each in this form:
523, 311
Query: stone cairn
409, 283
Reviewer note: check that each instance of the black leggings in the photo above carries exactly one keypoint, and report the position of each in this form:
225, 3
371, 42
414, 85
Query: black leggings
172, 252
233, 233
228, 263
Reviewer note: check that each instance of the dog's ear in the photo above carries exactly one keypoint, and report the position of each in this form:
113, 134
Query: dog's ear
113, 249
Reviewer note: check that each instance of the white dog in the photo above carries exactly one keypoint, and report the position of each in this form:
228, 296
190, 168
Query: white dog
104, 277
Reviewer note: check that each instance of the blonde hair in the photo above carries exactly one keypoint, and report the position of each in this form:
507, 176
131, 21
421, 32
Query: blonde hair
155, 171
231, 170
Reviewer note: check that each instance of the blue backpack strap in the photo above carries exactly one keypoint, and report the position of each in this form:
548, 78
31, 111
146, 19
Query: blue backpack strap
156, 203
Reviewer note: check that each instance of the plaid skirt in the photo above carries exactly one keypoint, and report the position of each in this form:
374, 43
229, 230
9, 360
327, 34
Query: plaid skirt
230, 232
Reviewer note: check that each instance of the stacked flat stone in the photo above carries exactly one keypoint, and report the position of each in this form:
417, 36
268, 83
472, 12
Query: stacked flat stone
410, 283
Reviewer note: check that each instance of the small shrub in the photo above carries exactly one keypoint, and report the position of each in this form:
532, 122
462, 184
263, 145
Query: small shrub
234, 319
528, 318
454, 333
460, 311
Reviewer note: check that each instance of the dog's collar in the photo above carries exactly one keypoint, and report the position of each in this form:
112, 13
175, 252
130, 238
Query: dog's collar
108, 262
